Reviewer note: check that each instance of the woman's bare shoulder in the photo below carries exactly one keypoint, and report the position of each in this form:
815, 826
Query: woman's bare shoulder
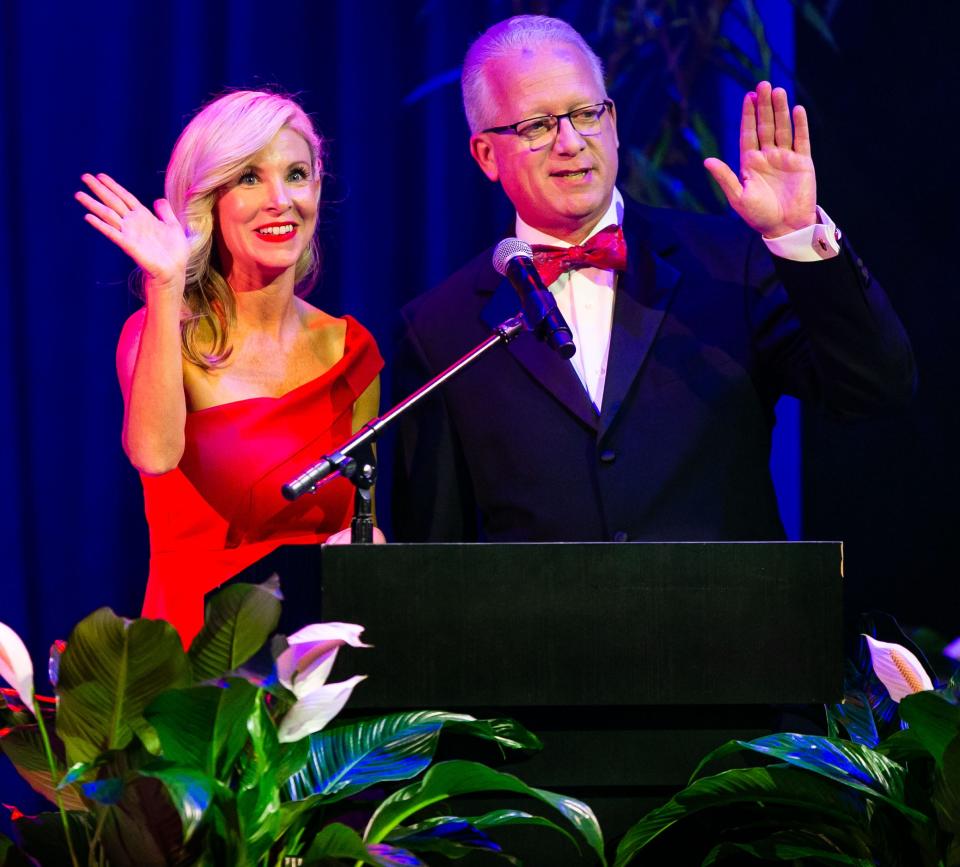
327, 333
316, 319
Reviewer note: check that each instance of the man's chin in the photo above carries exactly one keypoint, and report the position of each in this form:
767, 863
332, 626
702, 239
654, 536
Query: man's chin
580, 221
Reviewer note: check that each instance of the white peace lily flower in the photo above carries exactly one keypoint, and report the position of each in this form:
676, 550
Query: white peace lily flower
312, 650
304, 667
16, 667
315, 709
899, 669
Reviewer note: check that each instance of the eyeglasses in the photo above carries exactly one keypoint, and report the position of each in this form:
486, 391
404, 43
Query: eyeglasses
586, 121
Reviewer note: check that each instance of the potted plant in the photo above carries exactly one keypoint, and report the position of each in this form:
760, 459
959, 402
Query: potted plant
881, 788
157, 755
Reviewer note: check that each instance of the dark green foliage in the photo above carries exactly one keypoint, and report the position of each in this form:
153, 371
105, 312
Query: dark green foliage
887, 800
175, 759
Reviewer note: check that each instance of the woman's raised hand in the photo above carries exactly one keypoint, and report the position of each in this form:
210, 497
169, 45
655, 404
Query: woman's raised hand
155, 240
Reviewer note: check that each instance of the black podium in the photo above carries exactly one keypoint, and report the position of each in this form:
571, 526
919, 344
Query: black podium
630, 661
591, 625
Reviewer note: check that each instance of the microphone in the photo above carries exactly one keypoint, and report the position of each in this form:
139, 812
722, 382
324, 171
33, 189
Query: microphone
513, 259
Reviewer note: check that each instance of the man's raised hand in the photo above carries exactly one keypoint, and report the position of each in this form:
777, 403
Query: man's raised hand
776, 191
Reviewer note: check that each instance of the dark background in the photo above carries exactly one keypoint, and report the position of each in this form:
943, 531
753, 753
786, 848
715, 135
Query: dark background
108, 86
884, 118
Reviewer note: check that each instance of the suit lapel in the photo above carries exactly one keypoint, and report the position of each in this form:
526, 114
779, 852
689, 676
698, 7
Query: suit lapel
644, 292
554, 373
643, 295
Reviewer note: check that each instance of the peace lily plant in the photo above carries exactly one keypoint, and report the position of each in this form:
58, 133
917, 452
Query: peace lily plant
882, 788
156, 755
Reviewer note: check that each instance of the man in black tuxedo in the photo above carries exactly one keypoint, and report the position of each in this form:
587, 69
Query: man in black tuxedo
688, 328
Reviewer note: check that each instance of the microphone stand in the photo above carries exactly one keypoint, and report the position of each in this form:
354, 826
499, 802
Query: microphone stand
362, 473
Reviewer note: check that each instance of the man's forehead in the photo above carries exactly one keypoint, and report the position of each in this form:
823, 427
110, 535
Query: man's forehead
530, 76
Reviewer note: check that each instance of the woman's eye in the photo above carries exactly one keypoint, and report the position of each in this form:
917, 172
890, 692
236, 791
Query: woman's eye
247, 179
300, 174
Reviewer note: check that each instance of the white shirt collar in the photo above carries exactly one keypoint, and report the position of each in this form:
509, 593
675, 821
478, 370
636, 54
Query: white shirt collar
612, 217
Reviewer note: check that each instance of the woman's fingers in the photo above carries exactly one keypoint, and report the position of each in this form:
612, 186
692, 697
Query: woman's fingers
105, 194
122, 193
109, 231
105, 214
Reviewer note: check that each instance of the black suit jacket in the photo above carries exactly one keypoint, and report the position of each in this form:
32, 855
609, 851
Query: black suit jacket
708, 332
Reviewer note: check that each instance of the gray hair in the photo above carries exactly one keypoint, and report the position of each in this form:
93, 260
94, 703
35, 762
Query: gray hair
520, 33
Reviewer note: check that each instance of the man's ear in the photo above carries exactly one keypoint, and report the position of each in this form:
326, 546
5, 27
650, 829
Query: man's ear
482, 151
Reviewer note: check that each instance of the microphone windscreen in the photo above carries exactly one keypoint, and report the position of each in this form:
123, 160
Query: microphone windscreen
507, 249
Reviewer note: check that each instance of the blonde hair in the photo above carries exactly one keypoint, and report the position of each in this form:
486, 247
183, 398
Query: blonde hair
212, 149
520, 33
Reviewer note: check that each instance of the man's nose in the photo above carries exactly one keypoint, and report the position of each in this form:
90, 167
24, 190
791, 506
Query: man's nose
568, 140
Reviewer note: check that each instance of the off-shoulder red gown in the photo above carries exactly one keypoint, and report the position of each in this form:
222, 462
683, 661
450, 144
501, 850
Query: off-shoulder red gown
221, 509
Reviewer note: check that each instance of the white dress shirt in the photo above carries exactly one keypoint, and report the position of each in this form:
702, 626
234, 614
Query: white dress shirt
585, 295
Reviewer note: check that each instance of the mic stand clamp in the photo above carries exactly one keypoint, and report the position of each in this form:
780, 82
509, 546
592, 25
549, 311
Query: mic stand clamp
362, 476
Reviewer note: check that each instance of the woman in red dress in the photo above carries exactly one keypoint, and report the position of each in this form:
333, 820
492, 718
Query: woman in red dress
232, 383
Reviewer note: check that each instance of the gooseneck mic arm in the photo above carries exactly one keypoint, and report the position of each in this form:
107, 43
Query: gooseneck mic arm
344, 461
513, 259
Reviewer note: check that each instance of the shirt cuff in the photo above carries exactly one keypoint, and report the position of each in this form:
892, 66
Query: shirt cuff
809, 244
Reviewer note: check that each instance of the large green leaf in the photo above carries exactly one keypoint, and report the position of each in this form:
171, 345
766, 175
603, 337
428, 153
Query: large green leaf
144, 827
787, 786
237, 623
430, 836
847, 763
24, 747
348, 757
293, 759
785, 846
934, 721
449, 779
903, 746
946, 789
258, 801
451, 836
204, 728
856, 716
190, 792
110, 671
339, 841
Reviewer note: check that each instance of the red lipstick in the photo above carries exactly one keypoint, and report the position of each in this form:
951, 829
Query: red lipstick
276, 238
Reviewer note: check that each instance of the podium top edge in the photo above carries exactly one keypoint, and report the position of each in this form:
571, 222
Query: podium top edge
822, 543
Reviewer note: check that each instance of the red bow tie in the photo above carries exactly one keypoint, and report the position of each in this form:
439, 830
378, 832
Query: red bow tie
607, 249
